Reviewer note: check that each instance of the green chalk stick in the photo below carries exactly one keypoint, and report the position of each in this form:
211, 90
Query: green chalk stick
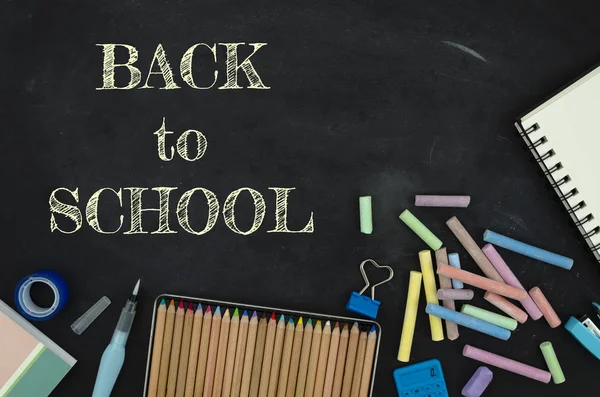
490, 317
420, 230
366, 214
552, 362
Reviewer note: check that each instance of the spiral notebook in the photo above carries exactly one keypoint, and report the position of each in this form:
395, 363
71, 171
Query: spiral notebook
31, 365
563, 135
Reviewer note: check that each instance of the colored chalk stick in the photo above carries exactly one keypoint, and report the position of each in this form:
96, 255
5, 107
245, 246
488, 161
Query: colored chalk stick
540, 300
454, 261
467, 321
509, 278
506, 364
437, 332
506, 306
552, 362
478, 382
420, 230
473, 249
455, 294
527, 250
490, 317
410, 316
426, 200
441, 257
366, 214
482, 282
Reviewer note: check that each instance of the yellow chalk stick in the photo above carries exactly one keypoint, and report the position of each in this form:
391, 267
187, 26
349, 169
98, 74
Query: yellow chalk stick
437, 332
410, 316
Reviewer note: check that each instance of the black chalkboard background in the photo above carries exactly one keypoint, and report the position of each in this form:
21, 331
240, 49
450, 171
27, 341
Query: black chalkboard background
366, 98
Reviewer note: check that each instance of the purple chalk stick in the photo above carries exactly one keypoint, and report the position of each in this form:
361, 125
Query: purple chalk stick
478, 382
422, 200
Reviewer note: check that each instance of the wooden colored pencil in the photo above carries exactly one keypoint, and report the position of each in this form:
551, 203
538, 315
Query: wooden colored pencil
165, 357
358, 366
365, 380
240, 350
267, 357
213, 348
331, 361
221, 354
350, 360
176, 350
261, 339
159, 334
207, 322
336, 391
322, 361
304, 359
290, 389
184, 357
249, 356
277, 354
231, 350
315, 348
286, 358
190, 377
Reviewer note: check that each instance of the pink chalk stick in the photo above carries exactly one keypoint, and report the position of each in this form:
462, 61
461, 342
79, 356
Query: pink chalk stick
507, 364
510, 279
540, 300
506, 306
442, 201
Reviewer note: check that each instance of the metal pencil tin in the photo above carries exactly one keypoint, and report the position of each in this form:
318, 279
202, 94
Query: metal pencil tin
363, 324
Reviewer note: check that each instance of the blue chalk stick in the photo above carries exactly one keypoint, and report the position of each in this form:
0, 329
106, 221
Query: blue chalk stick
467, 321
527, 250
454, 261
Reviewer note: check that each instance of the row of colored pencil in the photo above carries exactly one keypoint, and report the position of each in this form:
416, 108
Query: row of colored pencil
214, 354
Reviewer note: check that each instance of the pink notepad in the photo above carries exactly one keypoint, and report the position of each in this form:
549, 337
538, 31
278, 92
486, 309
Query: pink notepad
31, 364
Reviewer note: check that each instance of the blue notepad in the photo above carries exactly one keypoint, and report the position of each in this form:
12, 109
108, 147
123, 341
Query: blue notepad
424, 379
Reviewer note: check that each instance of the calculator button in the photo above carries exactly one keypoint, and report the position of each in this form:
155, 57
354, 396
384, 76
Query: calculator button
438, 385
427, 387
417, 391
406, 393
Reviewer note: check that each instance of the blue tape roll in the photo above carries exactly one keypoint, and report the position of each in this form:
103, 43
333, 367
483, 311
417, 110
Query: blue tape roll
28, 308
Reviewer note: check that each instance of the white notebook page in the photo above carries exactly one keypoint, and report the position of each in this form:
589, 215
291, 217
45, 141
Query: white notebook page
570, 124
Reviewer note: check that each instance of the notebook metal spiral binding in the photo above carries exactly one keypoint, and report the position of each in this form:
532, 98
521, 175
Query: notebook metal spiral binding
572, 210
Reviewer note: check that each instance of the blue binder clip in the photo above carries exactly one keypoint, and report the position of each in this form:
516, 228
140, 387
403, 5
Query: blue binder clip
363, 305
586, 330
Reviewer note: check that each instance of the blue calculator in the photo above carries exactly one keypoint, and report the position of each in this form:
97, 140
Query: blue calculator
424, 379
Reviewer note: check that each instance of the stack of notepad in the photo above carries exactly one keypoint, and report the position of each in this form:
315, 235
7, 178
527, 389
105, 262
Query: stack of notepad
31, 365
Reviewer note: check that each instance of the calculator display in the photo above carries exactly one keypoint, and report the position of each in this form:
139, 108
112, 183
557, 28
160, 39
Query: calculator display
422, 376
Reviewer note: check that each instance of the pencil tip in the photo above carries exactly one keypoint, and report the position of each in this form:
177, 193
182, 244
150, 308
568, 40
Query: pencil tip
373, 328
282, 318
309, 321
318, 323
172, 302
255, 314
190, 306
300, 321
180, 304
273, 316
337, 324
162, 301
245, 314
218, 310
236, 313
291, 320
208, 309
346, 326
226, 314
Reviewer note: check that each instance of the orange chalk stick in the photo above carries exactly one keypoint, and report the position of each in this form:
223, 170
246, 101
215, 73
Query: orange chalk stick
540, 300
482, 282
506, 306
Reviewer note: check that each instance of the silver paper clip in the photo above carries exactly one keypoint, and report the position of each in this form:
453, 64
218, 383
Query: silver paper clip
361, 304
